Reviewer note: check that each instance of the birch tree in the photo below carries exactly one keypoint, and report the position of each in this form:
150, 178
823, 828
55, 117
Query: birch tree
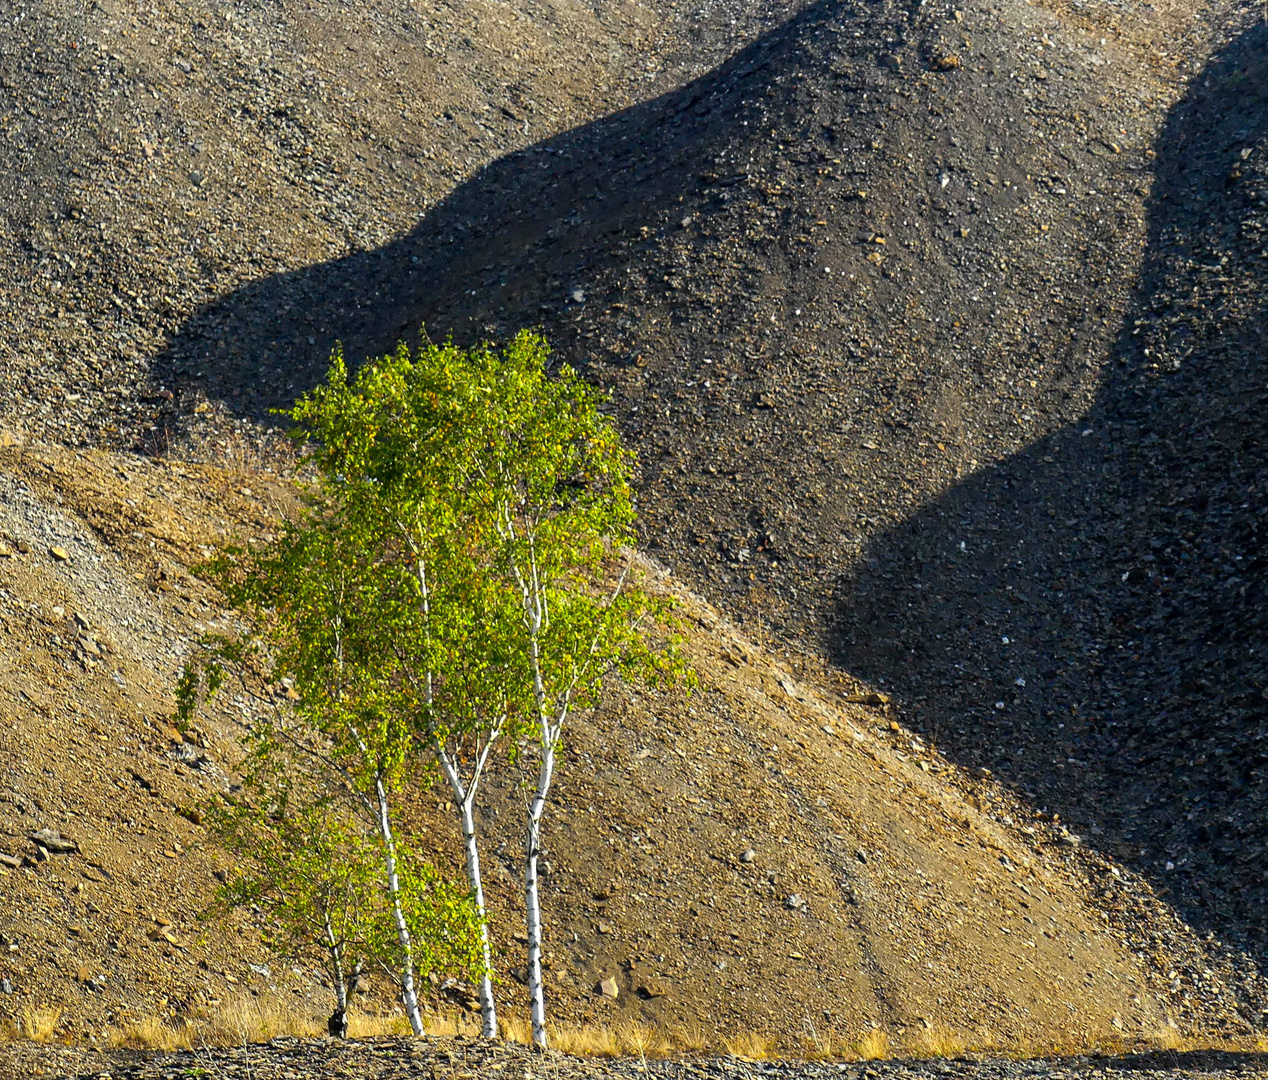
403, 437
557, 481
322, 600
308, 866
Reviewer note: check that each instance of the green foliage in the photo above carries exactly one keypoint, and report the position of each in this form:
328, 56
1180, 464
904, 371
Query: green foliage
442, 919
306, 865
507, 493
461, 572
314, 870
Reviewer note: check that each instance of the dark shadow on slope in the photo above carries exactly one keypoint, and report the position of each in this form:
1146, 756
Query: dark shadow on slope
545, 211
1089, 618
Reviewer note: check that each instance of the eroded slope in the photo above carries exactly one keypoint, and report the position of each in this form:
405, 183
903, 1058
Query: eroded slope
757, 846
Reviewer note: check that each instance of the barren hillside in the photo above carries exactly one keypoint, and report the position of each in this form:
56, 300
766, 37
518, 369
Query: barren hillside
760, 855
937, 329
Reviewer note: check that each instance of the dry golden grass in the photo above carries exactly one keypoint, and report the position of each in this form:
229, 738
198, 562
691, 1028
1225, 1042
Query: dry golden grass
643, 1041
939, 1041
691, 1039
1168, 1037
584, 1040
749, 1046
629, 1039
256, 1020
39, 1024
371, 1025
823, 1045
150, 1033
241, 1020
874, 1046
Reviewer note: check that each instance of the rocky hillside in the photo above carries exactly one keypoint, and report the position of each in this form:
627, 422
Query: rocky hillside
156, 159
924, 323
937, 331
771, 839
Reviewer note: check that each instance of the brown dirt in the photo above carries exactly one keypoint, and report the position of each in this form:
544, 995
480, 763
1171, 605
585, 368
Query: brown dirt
885, 886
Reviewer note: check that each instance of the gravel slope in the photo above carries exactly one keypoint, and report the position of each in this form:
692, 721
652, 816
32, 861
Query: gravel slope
859, 292
770, 838
1088, 617
155, 159
859, 278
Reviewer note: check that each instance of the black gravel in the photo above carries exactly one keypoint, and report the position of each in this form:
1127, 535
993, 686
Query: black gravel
396, 1059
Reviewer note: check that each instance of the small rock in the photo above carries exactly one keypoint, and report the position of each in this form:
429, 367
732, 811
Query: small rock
53, 841
59, 553
6, 987
795, 902
647, 991
608, 988
11, 861
24, 548
871, 698
748, 856
578, 296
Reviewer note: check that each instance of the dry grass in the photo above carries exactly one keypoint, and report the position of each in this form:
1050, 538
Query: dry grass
257, 1020
940, 1041
643, 1041
39, 1024
749, 1046
150, 1033
584, 1040
241, 1020
372, 1025
823, 1045
691, 1039
1167, 1037
629, 1039
874, 1046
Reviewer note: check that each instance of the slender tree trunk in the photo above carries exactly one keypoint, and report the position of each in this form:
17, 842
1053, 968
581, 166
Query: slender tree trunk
466, 805
337, 1025
532, 902
408, 995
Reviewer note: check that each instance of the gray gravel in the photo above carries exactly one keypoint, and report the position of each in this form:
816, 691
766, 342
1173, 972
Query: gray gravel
395, 1059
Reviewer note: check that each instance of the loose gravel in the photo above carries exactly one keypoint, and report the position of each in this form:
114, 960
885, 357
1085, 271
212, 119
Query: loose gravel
396, 1059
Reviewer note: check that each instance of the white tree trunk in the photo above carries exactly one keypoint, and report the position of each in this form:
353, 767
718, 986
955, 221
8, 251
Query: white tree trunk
466, 805
408, 995
337, 1025
532, 902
